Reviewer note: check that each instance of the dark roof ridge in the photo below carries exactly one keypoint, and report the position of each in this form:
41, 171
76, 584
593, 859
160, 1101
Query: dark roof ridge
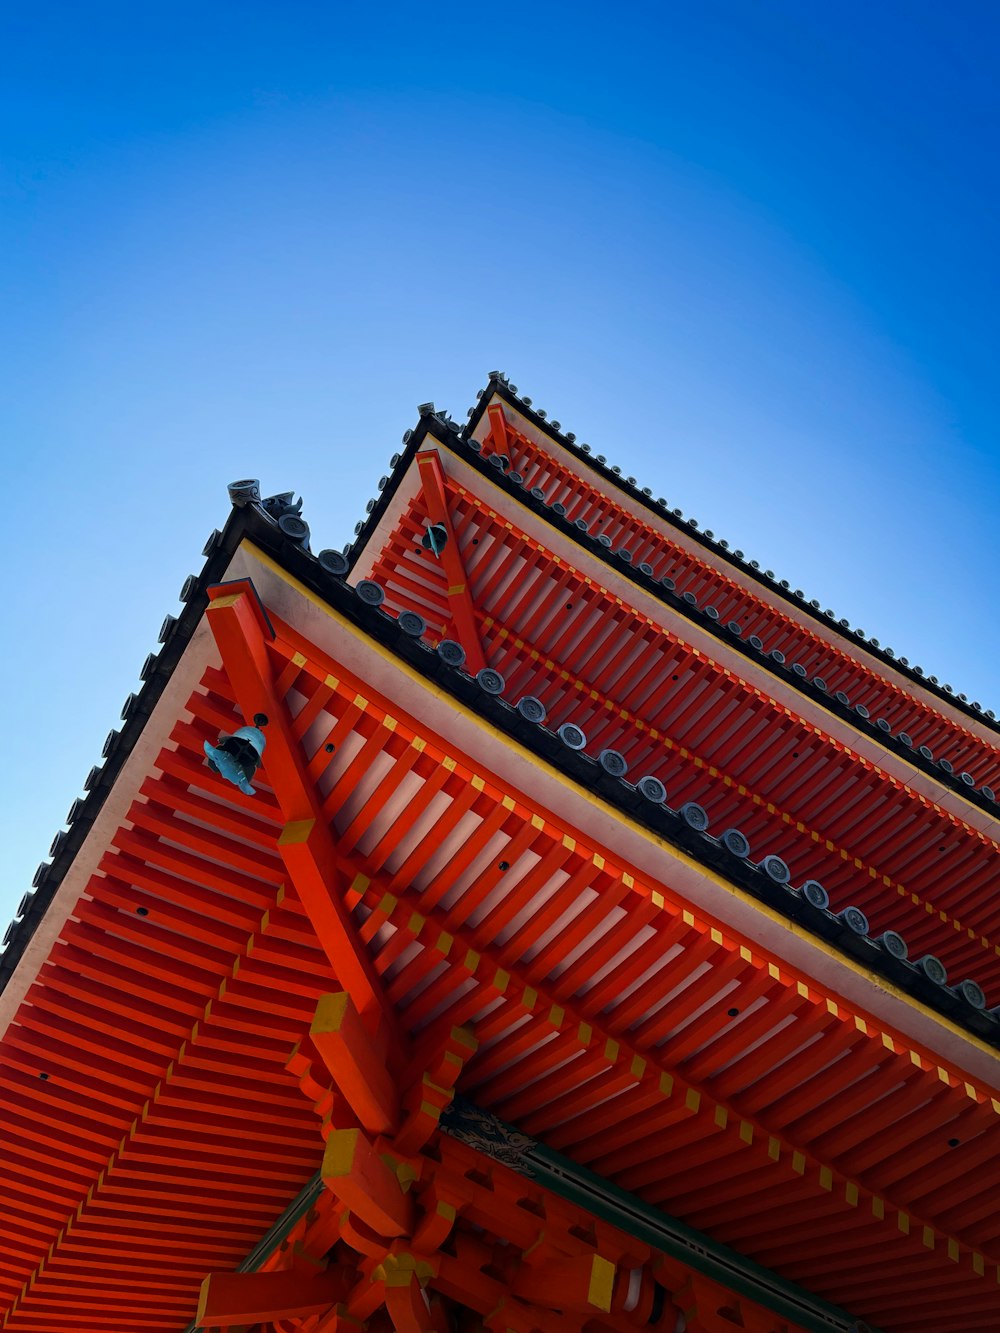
499, 383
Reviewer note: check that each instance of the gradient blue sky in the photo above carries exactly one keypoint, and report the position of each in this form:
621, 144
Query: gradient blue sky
747, 250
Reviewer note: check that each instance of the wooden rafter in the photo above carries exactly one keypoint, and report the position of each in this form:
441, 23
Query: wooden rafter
461, 605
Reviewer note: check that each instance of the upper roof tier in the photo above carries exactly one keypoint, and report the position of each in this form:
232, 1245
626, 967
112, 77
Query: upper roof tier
876, 693
559, 453
606, 658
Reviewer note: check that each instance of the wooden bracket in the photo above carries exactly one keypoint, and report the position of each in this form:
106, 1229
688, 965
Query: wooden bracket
408, 1306
581, 1285
360, 1178
357, 1061
711, 1308
460, 604
235, 1300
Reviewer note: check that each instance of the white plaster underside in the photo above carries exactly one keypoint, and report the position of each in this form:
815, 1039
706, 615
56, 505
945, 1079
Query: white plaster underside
200, 653
519, 771
761, 591
408, 487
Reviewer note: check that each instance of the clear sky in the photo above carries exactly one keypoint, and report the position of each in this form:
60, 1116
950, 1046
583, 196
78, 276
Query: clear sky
746, 248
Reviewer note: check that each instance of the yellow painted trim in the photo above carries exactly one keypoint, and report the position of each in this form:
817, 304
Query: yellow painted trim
601, 1285
296, 833
338, 1158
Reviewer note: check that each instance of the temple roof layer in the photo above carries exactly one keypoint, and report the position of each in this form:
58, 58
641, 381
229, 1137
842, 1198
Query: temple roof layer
657, 1005
601, 651
554, 455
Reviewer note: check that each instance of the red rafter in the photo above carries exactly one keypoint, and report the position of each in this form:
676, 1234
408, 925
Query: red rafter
460, 603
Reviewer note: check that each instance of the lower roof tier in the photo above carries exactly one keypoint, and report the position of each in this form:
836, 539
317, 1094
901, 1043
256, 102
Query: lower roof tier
633, 1009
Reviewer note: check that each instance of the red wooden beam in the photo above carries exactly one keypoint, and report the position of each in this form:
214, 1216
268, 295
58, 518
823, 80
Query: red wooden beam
460, 604
355, 1173
306, 843
356, 1061
583, 1284
235, 1300
498, 427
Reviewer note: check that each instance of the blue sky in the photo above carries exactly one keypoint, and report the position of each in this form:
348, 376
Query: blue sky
747, 250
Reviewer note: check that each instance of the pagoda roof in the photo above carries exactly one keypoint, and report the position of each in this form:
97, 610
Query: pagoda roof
463, 441
562, 622
649, 1084
828, 928
182, 933
499, 388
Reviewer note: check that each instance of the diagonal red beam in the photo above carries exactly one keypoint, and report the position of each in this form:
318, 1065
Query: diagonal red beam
306, 844
356, 1062
460, 604
498, 428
